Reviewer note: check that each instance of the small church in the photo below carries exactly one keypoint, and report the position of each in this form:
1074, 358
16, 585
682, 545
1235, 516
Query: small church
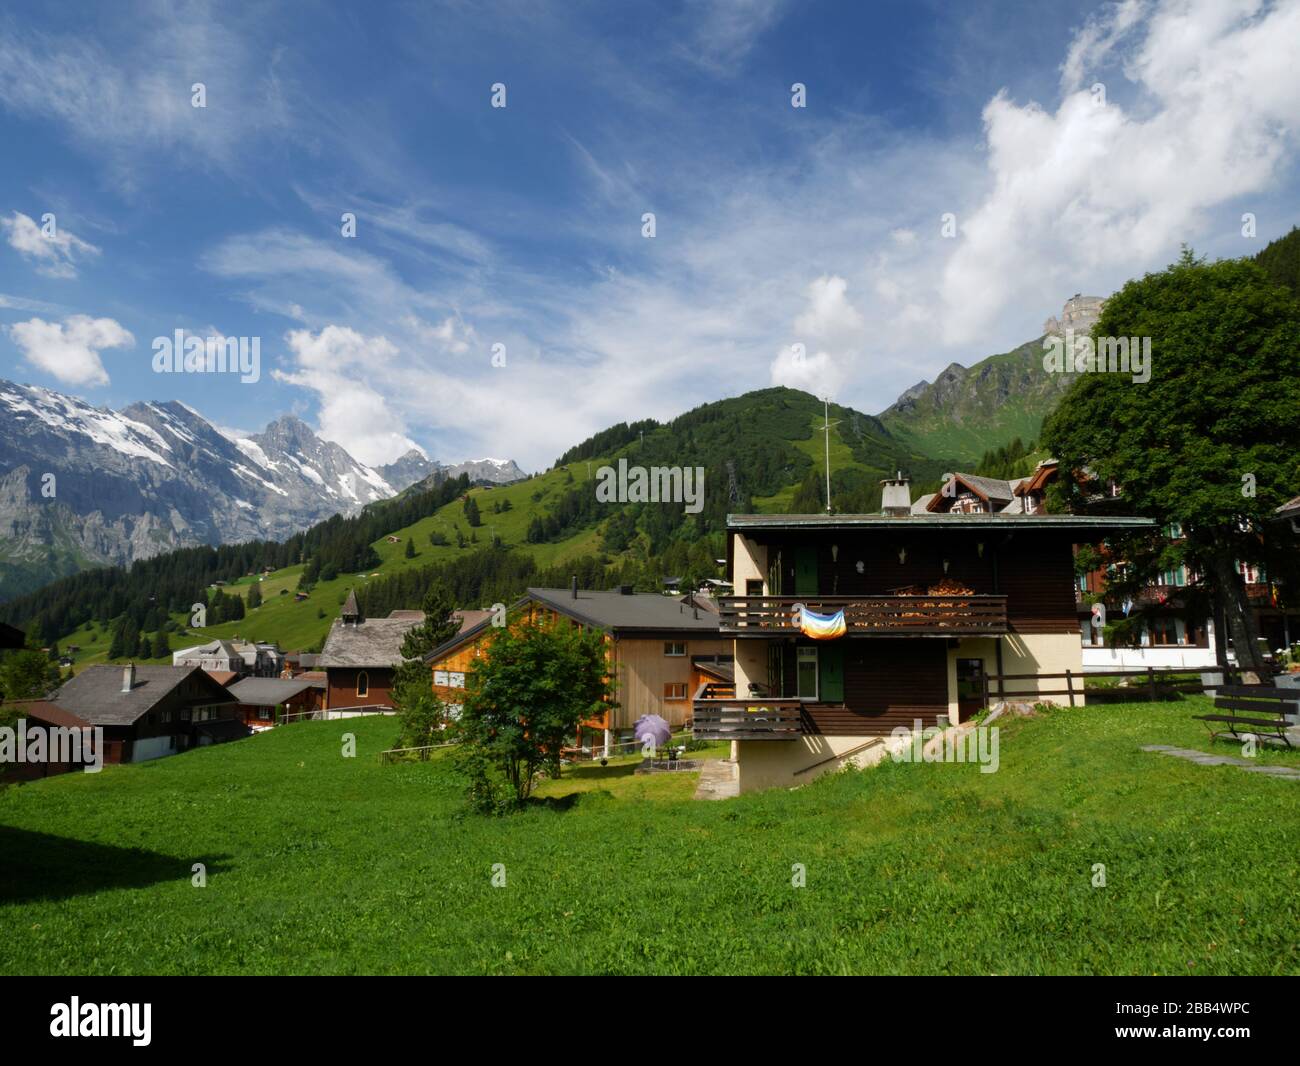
361, 655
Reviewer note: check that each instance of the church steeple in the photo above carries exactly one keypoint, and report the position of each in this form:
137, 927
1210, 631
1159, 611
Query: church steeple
351, 613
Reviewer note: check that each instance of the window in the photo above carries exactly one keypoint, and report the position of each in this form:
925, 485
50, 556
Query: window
440, 678
455, 679
264, 714
1166, 631
806, 669
363, 684
675, 690
675, 648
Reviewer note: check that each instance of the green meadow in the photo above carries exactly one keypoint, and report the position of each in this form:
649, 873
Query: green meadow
322, 864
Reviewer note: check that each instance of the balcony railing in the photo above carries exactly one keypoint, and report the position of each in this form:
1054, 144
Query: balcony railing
756, 616
720, 716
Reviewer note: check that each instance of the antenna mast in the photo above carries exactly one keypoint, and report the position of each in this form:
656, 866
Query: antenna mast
826, 428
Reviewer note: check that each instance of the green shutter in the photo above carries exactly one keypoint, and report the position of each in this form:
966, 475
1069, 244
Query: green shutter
831, 666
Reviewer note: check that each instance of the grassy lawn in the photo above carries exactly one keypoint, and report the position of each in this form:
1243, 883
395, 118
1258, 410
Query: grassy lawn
321, 864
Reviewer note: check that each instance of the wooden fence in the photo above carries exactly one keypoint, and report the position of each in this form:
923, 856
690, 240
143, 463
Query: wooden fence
1154, 683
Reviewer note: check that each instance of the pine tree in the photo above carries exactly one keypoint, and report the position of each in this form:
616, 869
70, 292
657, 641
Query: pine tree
471, 512
410, 548
162, 648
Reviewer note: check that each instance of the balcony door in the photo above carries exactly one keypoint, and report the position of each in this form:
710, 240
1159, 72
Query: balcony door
805, 570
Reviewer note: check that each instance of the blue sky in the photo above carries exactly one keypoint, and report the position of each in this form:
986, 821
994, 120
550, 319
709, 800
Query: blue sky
522, 226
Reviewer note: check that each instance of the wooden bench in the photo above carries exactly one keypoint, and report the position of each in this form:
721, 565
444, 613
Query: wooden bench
1256, 707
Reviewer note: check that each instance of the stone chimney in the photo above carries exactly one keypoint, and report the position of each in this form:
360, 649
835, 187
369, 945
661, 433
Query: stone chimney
896, 496
128, 677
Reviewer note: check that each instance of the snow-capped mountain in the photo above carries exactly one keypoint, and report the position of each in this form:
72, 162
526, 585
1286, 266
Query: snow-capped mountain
82, 485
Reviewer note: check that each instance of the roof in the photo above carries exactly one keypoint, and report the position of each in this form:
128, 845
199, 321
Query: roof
222, 677
741, 522
305, 659
96, 693
723, 669
630, 613
470, 619
371, 642
417, 615
922, 503
1290, 508
213, 647
11, 637
269, 691
350, 608
49, 713
1035, 482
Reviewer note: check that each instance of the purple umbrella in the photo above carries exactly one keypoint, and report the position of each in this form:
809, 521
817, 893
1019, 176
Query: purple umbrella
653, 728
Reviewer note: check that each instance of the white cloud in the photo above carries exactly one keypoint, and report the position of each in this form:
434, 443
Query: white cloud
723, 32
127, 102
1087, 190
55, 255
337, 364
70, 350
834, 243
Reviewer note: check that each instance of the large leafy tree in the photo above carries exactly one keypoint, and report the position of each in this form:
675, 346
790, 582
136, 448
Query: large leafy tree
420, 711
524, 700
1210, 442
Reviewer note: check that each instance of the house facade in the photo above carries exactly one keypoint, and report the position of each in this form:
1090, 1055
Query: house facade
845, 627
257, 698
660, 649
151, 711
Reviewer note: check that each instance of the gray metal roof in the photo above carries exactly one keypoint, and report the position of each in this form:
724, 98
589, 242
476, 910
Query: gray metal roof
269, 691
618, 613
96, 693
933, 521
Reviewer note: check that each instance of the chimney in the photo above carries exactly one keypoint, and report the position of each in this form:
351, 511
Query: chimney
128, 677
573, 586
896, 496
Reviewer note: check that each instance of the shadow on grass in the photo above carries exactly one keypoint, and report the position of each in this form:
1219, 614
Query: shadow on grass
40, 866
568, 801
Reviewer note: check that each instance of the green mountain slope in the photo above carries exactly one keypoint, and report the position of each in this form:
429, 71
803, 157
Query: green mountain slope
756, 451
967, 411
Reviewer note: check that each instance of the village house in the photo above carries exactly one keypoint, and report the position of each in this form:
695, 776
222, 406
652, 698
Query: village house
59, 756
151, 711
259, 697
214, 656
852, 625
659, 648
360, 656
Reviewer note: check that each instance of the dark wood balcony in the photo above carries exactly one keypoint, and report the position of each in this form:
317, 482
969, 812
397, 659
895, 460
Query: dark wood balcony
720, 716
865, 616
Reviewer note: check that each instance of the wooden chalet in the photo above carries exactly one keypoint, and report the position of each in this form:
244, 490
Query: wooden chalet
931, 603
150, 711
258, 698
660, 649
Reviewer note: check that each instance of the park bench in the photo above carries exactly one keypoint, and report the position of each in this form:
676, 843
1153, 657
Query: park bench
1251, 709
